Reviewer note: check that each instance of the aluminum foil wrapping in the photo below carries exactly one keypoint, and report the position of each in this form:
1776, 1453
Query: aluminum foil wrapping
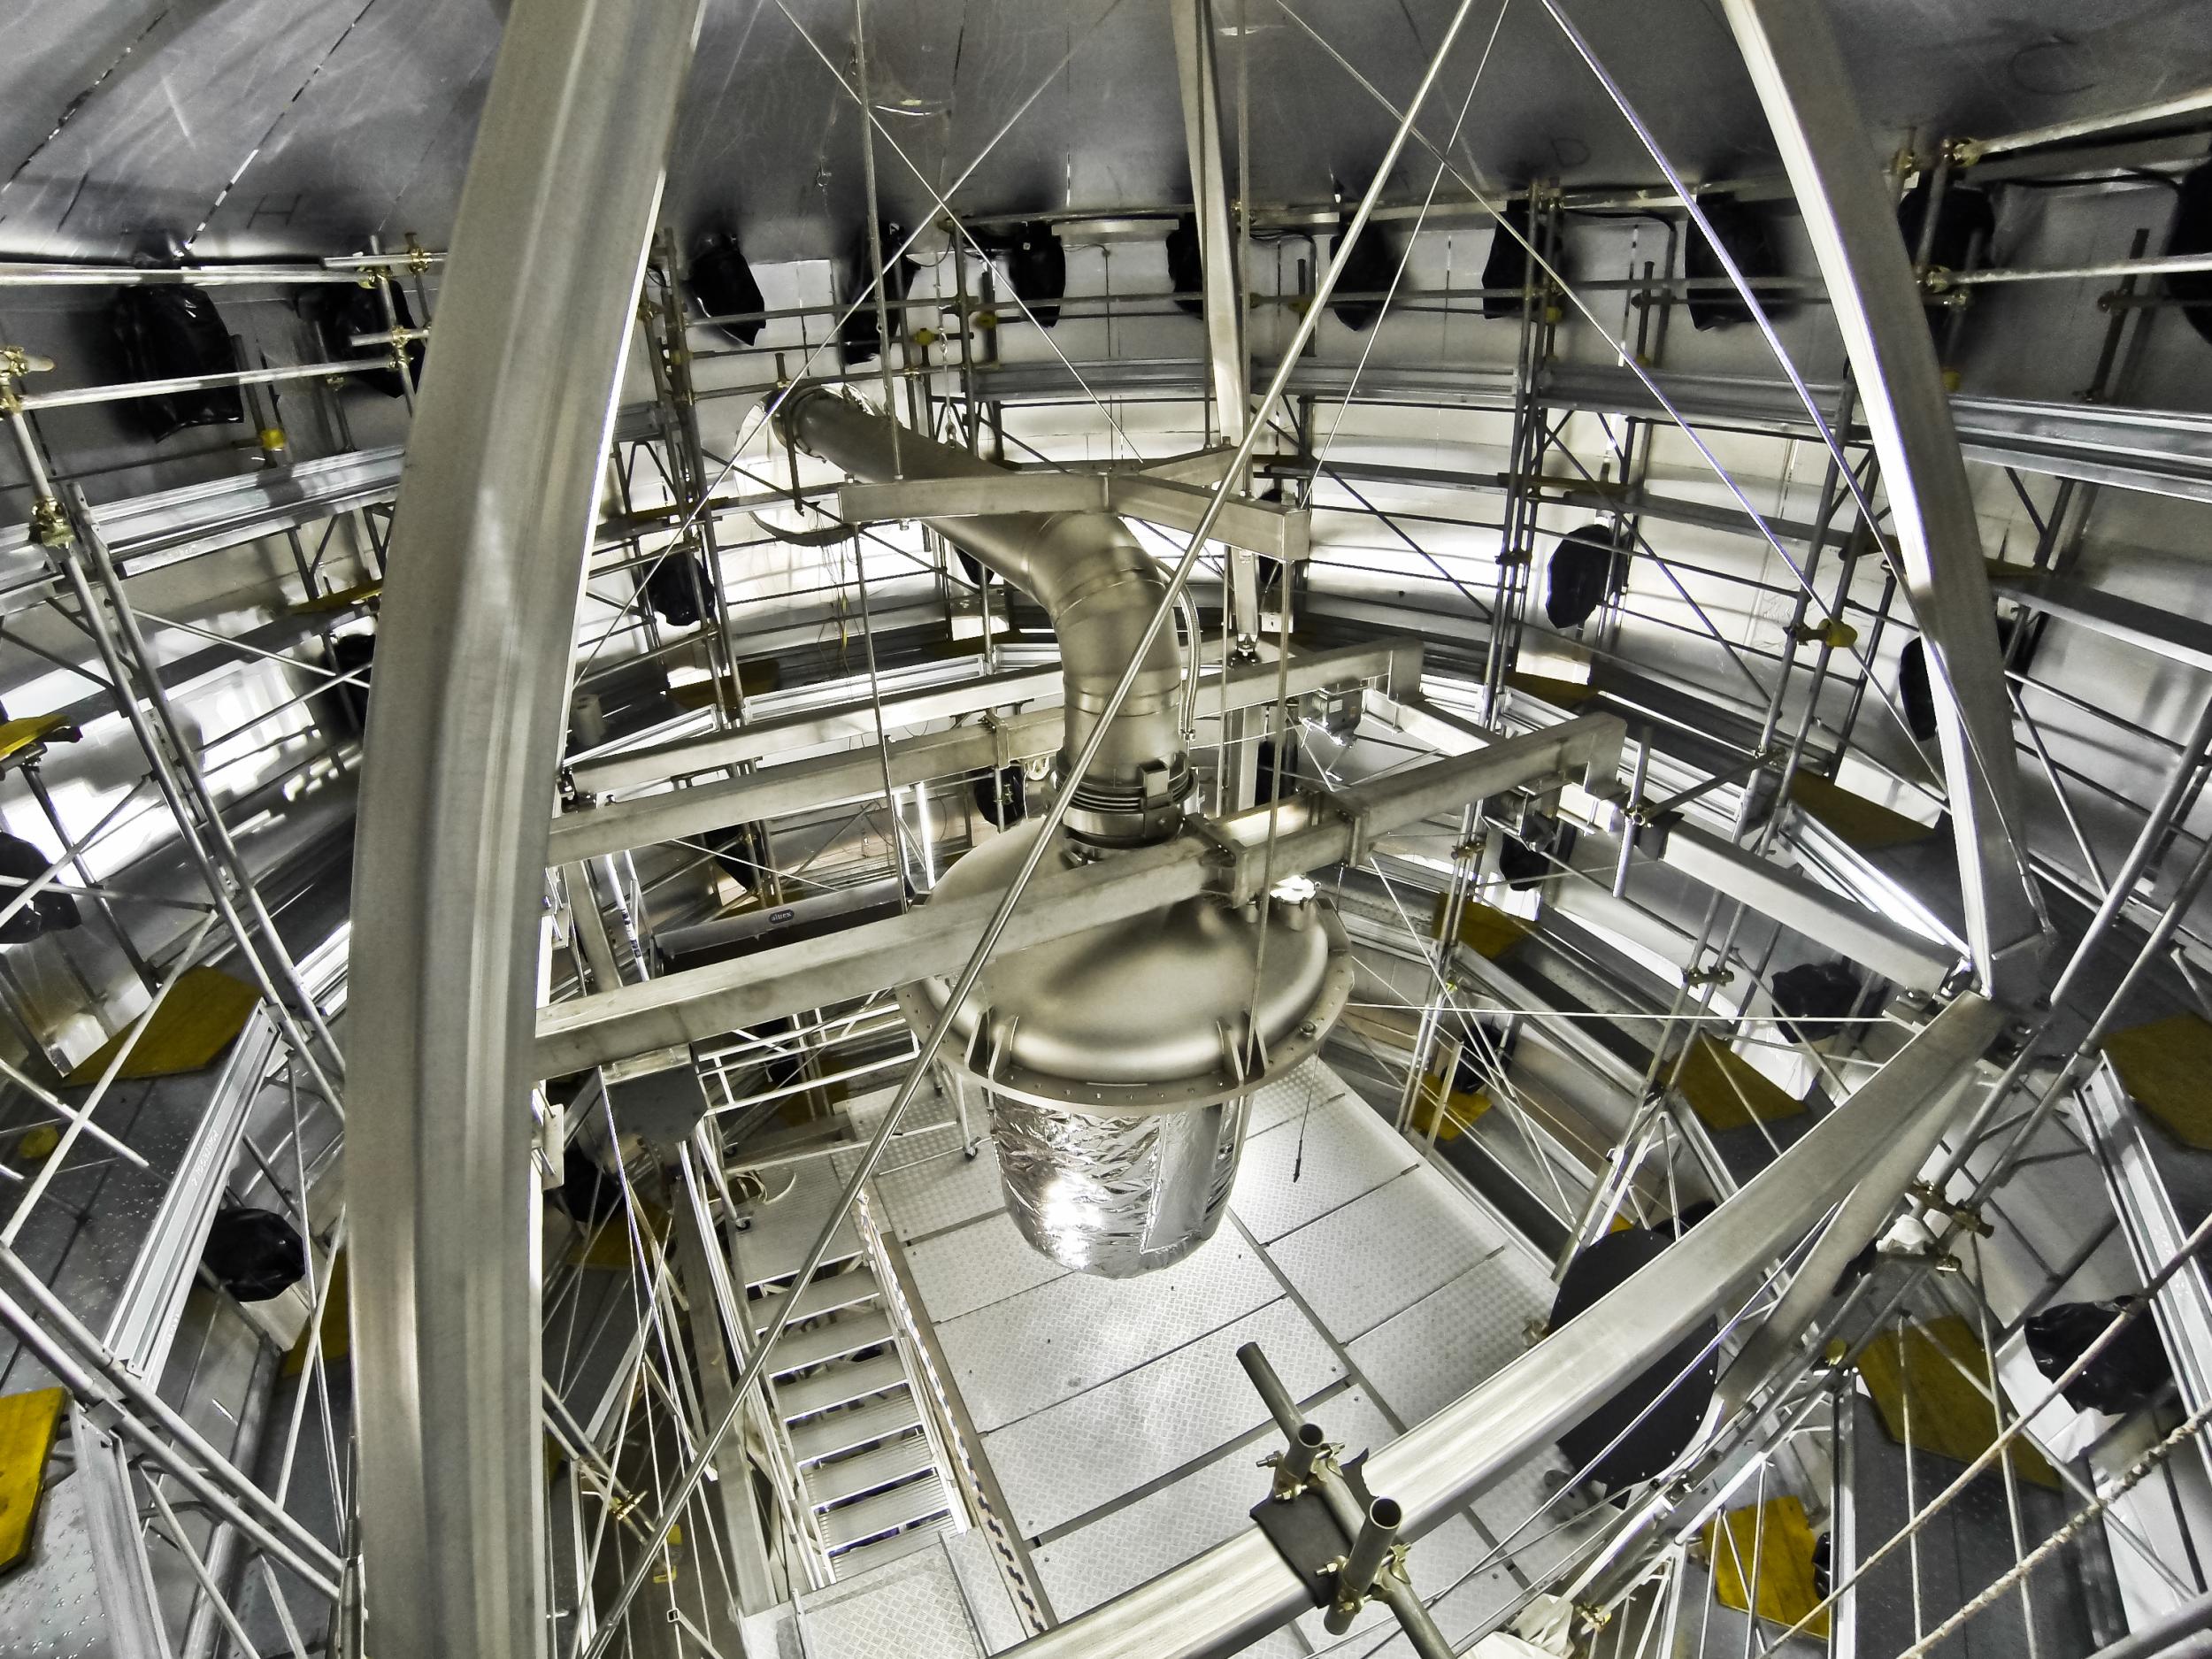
1116, 1196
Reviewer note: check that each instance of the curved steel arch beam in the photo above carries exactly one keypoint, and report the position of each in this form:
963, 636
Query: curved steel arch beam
1794, 63
496, 512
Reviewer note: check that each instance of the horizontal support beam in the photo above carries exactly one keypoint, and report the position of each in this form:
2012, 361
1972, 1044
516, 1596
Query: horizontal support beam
2167, 452
634, 768
1225, 1598
1230, 857
855, 774
1866, 937
2179, 638
934, 940
1282, 533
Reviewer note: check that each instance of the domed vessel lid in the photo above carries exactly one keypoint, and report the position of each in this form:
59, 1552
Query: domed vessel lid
1150, 1014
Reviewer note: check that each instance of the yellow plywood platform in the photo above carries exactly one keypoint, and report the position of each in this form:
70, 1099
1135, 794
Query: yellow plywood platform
1924, 1382
337, 1326
1560, 694
2166, 1067
606, 1247
1484, 929
1455, 1111
341, 599
1771, 1544
1855, 821
28, 1423
204, 1012
27, 738
1727, 1092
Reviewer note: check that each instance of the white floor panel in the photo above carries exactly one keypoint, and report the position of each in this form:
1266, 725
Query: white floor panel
990, 1604
1519, 1495
1065, 1462
908, 1609
975, 1265
1056, 1339
929, 1184
1423, 1359
1379, 1255
1339, 1150
783, 1231
1311, 1085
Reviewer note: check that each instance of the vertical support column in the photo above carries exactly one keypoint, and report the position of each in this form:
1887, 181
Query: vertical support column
1195, 73
1193, 21
495, 519
1791, 54
717, 1318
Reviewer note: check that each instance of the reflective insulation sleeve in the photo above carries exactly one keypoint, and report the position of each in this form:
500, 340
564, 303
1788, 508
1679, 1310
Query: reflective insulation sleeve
1117, 1196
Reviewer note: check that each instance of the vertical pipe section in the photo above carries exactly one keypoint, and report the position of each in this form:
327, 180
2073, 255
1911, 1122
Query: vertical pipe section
494, 518
1790, 51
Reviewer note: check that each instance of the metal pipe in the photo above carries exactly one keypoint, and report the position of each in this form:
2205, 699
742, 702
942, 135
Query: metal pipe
1296, 1466
122, 391
1307, 1461
346, 269
492, 525
1094, 579
1378, 1531
167, 778
187, 772
310, 1564
2165, 1637
1973, 150
2171, 264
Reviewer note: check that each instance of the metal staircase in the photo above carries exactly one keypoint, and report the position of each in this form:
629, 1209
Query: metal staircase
842, 1386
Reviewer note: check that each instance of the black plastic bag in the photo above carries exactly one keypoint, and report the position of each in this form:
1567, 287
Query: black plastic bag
1370, 268
1743, 233
171, 332
723, 284
1675, 1411
49, 912
1582, 575
2128, 1374
254, 1253
1815, 999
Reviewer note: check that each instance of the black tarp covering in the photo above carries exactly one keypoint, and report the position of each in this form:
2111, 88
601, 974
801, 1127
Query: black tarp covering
169, 334
723, 284
1675, 1412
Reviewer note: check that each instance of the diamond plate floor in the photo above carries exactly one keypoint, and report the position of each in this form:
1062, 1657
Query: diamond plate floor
1068, 1460
1314, 1162
908, 1609
977, 1264
927, 1184
1079, 1331
1109, 1411
1423, 1359
1383, 1252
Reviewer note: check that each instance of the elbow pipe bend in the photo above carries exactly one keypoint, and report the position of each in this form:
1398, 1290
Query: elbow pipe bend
1100, 589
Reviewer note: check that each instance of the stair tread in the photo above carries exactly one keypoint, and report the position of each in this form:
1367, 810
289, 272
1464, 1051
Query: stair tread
823, 1295
775, 1245
864, 1472
917, 1501
839, 1385
843, 1431
864, 1557
834, 1340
